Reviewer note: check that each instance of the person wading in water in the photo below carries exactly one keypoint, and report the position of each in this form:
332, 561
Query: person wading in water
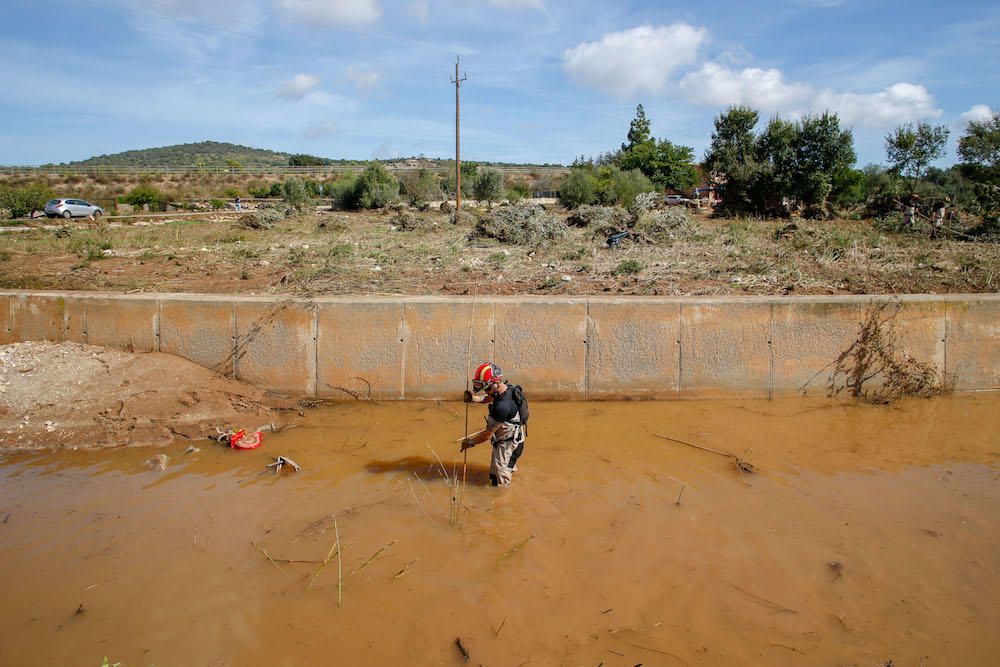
506, 423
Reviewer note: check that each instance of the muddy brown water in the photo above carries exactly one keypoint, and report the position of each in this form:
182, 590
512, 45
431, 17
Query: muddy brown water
868, 534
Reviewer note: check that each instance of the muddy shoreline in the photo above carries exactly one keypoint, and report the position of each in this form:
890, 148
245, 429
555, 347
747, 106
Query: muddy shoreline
70, 395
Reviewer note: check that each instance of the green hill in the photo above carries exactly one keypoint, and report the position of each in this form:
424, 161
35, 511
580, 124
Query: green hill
205, 153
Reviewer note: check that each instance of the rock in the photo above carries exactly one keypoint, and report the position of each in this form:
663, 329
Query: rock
158, 462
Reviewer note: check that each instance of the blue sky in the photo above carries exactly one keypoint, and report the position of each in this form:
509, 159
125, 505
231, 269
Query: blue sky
547, 80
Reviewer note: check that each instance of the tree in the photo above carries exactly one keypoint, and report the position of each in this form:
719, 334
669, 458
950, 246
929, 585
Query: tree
910, 149
488, 186
23, 200
639, 131
304, 160
731, 157
666, 164
821, 151
673, 166
789, 164
979, 148
981, 142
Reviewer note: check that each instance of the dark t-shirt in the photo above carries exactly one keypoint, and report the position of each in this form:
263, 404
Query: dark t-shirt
504, 407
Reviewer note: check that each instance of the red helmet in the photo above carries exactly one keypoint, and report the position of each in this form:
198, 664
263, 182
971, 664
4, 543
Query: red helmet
486, 374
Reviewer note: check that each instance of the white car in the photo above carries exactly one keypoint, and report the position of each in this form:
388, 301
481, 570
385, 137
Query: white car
72, 208
673, 200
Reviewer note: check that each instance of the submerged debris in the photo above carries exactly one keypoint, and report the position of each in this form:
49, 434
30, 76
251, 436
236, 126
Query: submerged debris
465, 653
283, 461
158, 462
741, 462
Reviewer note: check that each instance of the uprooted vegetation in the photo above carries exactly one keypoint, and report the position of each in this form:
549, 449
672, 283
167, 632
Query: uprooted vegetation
529, 250
875, 369
522, 223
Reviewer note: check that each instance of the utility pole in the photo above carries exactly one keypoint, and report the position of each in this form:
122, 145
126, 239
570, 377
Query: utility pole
458, 144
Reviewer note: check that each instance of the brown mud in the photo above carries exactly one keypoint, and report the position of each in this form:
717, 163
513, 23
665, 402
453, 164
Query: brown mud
73, 395
867, 534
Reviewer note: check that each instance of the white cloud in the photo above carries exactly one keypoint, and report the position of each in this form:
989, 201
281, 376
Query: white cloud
764, 89
767, 90
638, 60
190, 28
364, 79
979, 112
899, 103
298, 87
333, 12
320, 130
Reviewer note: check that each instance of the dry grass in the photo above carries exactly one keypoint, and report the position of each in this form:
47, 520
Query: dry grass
412, 252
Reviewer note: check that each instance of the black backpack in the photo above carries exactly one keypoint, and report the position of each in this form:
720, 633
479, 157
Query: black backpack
522, 404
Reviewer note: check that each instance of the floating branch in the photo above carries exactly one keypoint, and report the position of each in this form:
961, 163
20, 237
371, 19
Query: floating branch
516, 548
329, 557
374, 556
403, 572
742, 465
268, 556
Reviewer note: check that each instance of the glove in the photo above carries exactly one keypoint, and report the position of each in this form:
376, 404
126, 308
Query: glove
467, 396
467, 443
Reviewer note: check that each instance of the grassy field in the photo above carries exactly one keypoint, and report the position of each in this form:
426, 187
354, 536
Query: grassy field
412, 252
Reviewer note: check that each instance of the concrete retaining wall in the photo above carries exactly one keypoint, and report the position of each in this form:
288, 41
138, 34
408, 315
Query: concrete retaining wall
578, 348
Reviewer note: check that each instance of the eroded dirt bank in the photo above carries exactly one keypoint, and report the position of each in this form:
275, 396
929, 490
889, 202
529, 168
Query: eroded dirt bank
73, 395
868, 535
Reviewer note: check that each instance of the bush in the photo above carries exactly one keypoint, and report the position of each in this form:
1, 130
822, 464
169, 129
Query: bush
295, 194
615, 186
232, 193
579, 188
23, 200
518, 190
341, 192
628, 267
259, 193
421, 187
375, 188
142, 195
488, 186
277, 190
522, 223
217, 204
